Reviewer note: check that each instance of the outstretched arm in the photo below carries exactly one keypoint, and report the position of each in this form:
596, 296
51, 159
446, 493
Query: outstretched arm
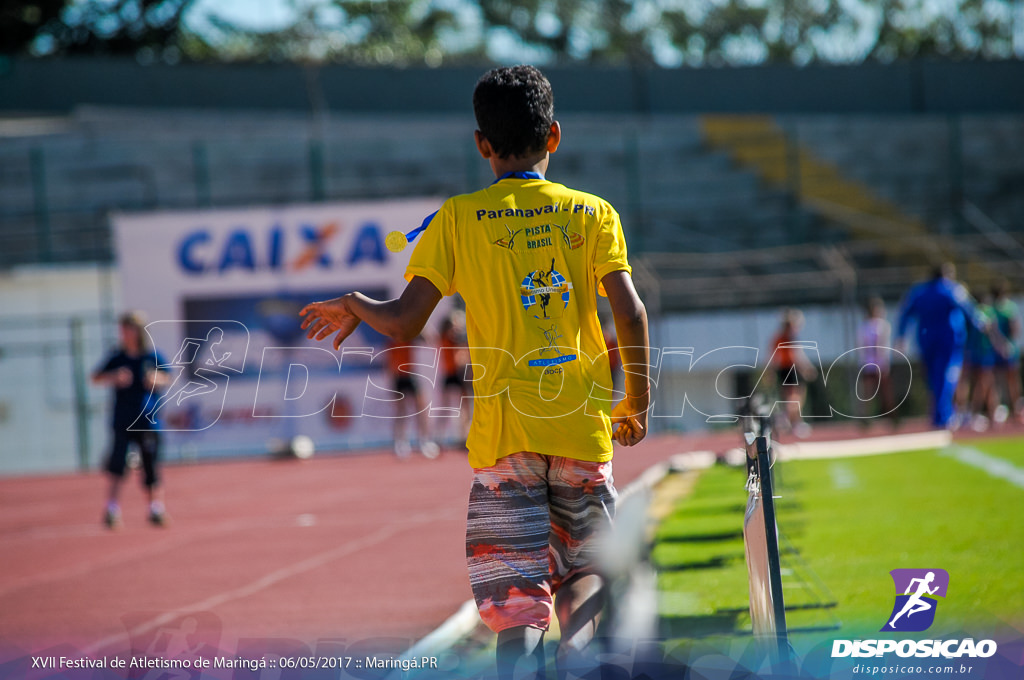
630, 316
402, 318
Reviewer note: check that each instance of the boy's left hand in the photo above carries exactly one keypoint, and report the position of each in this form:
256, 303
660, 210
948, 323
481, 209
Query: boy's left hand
327, 317
630, 417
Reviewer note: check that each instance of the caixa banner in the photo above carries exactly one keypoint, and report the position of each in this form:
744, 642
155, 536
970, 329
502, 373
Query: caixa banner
222, 290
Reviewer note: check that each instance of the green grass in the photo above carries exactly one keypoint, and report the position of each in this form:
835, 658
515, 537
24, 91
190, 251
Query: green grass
847, 523
1007, 448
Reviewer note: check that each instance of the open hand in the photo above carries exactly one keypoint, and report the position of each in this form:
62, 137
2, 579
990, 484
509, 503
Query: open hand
327, 317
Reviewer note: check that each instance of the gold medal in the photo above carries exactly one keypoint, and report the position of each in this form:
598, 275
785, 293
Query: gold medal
396, 241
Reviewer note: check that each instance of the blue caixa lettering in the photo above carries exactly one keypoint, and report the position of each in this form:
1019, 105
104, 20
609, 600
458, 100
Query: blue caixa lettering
201, 251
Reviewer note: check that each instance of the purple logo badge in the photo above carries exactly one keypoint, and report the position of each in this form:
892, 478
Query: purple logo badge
916, 590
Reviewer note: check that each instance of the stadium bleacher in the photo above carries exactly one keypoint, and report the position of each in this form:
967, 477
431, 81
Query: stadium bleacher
735, 209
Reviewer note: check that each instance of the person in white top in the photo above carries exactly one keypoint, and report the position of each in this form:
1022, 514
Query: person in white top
874, 383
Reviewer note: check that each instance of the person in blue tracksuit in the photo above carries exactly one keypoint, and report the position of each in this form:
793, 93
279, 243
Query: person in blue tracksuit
942, 310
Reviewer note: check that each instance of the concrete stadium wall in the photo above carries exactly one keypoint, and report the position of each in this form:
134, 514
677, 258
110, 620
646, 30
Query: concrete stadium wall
55, 327
922, 86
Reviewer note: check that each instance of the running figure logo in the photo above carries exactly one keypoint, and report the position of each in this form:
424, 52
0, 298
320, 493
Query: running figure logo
551, 335
202, 367
509, 241
914, 609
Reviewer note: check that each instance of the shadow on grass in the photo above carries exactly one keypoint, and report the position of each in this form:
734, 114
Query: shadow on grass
724, 623
716, 562
700, 556
701, 537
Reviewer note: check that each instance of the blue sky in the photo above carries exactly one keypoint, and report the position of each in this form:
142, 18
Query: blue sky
254, 14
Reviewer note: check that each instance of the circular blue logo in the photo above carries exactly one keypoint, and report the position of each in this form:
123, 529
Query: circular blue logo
541, 291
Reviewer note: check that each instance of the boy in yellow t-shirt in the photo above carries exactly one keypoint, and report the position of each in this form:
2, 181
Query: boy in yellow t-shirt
529, 257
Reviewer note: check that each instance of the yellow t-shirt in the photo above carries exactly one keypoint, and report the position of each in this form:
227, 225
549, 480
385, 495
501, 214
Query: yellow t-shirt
527, 256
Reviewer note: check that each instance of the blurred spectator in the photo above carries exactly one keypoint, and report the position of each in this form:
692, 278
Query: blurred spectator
400, 356
874, 378
1007, 366
134, 371
942, 310
978, 396
792, 371
456, 366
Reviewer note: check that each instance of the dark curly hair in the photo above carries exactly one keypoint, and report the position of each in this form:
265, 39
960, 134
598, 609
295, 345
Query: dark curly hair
514, 108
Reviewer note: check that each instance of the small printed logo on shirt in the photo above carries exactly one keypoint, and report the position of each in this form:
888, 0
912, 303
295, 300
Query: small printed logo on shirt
545, 294
540, 236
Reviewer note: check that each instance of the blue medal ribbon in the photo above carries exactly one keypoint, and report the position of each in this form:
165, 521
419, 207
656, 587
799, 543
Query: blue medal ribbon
519, 175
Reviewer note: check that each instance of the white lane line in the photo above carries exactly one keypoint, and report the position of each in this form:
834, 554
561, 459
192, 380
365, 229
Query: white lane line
271, 579
997, 467
177, 543
67, 572
843, 476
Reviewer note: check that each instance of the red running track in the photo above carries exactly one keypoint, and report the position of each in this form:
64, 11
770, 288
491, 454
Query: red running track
338, 547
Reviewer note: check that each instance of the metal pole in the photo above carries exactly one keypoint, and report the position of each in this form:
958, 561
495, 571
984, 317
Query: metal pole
772, 540
42, 203
956, 177
201, 173
318, 132
81, 402
793, 180
635, 232
316, 170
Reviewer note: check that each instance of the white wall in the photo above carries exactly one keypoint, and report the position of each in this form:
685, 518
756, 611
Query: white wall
721, 339
37, 396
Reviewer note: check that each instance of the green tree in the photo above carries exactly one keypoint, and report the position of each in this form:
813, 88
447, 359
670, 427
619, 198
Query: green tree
49, 27
366, 32
631, 32
20, 23
738, 32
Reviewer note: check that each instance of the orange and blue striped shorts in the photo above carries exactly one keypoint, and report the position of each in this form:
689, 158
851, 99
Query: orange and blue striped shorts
534, 522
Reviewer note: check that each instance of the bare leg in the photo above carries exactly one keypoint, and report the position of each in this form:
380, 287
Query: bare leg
795, 396
1011, 376
920, 607
907, 607
1013, 389
981, 401
870, 384
902, 612
401, 439
422, 417
521, 654
578, 606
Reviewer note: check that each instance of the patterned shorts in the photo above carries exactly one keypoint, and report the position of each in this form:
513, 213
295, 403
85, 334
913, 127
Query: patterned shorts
533, 523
